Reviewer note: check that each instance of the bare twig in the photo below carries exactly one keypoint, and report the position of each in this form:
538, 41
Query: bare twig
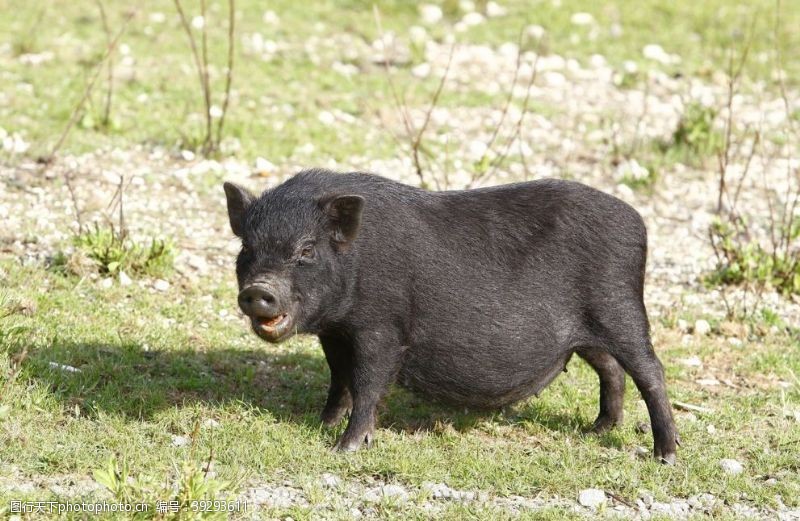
417, 143
691, 408
109, 62
229, 71
201, 63
74, 199
518, 127
87, 92
734, 73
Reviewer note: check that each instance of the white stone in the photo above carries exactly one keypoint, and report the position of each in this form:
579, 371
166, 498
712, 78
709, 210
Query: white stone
417, 34
731, 466
124, 279
702, 327
473, 19
329, 480
180, 441
326, 118
536, 32
493, 10
592, 497
422, 70
631, 169
271, 18
161, 285
692, 361
657, 53
476, 150
582, 19
430, 14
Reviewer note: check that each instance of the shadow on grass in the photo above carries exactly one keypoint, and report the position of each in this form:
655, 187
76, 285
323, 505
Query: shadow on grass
291, 385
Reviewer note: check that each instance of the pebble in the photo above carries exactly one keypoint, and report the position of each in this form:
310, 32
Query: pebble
161, 285
430, 14
702, 327
731, 466
329, 480
180, 441
376, 494
124, 279
592, 497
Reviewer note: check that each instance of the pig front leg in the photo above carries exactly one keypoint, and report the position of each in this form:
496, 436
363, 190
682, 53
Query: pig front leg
376, 361
339, 354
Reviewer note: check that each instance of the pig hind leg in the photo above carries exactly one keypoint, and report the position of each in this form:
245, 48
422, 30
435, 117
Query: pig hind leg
627, 338
612, 387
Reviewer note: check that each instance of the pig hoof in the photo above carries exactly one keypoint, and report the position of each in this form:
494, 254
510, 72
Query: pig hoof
332, 417
346, 447
668, 459
604, 423
353, 444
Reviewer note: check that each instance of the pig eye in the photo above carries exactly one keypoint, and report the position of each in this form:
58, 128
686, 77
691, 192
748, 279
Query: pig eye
306, 256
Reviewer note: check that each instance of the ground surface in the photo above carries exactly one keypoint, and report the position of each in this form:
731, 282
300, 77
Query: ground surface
157, 376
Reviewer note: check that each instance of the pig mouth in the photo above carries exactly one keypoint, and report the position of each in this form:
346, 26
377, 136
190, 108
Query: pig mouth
273, 329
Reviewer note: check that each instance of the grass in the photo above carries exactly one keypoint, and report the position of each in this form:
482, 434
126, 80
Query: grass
152, 366
155, 367
158, 101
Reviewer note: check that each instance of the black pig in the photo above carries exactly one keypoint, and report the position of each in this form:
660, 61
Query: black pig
474, 297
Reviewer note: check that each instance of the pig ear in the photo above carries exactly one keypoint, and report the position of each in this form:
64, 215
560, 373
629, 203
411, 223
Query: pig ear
344, 212
238, 201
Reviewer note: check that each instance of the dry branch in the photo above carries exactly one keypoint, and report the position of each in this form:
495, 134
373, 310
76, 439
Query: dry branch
87, 92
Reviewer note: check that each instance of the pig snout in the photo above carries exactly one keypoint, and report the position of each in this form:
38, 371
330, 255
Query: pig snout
258, 300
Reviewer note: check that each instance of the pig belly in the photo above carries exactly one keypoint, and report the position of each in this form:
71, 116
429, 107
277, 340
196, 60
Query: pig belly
480, 377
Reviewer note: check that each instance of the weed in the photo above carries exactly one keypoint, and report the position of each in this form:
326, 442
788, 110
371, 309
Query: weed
110, 253
744, 261
695, 137
186, 495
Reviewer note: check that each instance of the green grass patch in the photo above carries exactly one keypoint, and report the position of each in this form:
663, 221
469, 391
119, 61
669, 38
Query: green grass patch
154, 366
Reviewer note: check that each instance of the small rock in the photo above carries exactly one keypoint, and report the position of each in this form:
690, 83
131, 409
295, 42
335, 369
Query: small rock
187, 155
180, 441
592, 497
430, 14
472, 19
692, 361
702, 327
711, 429
642, 427
211, 423
124, 279
330, 480
731, 466
771, 482
642, 452
161, 285
326, 118
683, 326
582, 19
106, 283
493, 10
386, 491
